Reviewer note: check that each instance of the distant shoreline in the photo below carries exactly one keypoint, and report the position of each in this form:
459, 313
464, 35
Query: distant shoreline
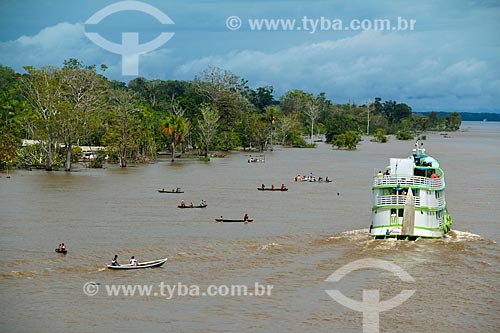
468, 116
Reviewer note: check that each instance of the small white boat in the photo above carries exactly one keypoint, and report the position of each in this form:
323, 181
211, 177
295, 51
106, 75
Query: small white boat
147, 264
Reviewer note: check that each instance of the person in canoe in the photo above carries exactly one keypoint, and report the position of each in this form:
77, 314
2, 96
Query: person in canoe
177, 189
282, 186
263, 186
63, 247
272, 187
221, 218
115, 262
183, 204
203, 203
133, 261
327, 179
245, 218
191, 204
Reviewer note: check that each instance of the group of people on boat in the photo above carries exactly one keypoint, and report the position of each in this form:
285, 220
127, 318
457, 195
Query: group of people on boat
176, 190
203, 203
282, 187
132, 261
62, 247
255, 159
245, 218
311, 178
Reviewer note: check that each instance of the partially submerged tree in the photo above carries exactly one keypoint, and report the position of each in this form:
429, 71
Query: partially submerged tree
122, 131
174, 127
207, 127
43, 89
83, 94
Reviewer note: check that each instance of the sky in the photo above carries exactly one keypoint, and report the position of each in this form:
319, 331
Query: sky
448, 61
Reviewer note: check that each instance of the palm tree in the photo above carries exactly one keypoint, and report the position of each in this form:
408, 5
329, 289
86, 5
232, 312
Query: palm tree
175, 127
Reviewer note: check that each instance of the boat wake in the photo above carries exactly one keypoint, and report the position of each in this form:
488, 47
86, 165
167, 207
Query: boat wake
461, 236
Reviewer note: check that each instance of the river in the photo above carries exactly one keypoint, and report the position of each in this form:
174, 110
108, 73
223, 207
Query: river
297, 240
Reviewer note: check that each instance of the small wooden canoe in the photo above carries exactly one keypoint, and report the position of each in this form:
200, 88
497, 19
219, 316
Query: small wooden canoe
61, 251
229, 220
170, 191
187, 206
147, 264
272, 189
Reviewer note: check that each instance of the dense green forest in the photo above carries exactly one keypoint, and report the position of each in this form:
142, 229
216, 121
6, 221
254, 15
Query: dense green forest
62, 108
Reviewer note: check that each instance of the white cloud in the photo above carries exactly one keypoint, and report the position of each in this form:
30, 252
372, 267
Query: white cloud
51, 46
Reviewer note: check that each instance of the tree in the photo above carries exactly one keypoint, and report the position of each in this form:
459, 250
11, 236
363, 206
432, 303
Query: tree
260, 98
340, 123
453, 121
123, 122
174, 127
83, 95
349, 140
43, 90
380, 136
259, 134
207, 128
12, 112
294, 101
312, 111
215, 80
288, 127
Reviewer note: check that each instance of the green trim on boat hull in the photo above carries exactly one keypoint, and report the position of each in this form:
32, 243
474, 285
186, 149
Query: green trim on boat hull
405, 237
400, 225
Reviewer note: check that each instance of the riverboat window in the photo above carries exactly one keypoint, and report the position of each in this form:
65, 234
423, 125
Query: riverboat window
419, 172
401, 212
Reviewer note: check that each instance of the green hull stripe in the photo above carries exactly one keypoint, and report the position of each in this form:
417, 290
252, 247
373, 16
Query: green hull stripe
400, 225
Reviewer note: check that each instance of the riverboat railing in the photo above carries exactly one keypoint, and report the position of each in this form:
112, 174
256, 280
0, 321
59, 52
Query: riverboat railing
417, 181
390, 200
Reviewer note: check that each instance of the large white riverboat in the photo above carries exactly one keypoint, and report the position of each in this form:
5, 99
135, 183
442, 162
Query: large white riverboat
409, 200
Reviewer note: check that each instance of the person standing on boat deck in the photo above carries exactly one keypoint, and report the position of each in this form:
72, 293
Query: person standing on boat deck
115, 262
133, 261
